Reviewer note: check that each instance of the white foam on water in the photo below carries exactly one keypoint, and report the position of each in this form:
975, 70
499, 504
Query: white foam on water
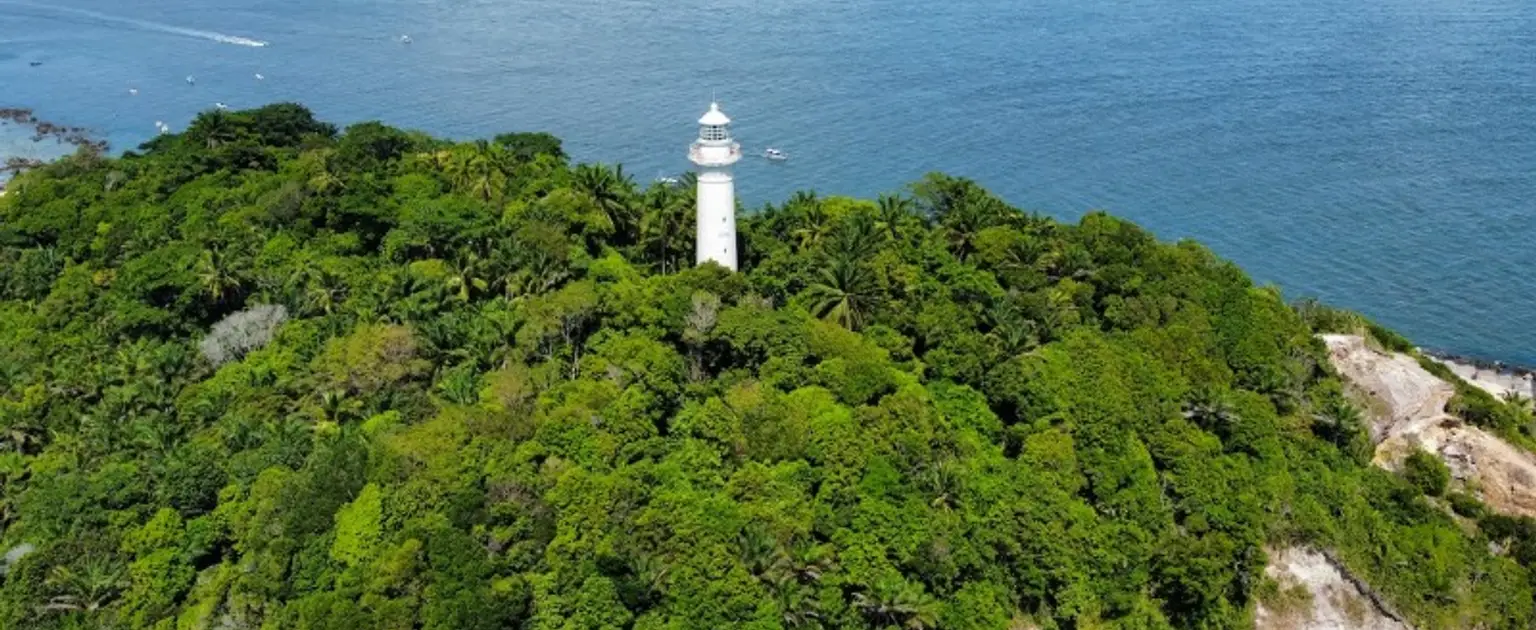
145, 24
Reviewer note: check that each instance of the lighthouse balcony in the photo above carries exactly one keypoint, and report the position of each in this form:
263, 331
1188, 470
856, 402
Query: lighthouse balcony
706, 155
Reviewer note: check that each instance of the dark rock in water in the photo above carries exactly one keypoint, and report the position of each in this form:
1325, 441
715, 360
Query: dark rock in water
36, 64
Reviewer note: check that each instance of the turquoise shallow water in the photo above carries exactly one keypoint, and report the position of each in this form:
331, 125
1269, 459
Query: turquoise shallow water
1378, 154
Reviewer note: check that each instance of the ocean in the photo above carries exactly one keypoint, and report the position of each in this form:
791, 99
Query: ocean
1377, 154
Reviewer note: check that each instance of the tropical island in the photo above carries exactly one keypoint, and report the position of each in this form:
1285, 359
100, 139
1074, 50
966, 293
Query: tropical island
268, 373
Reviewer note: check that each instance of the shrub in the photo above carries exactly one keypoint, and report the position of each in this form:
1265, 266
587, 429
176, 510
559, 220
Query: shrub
1389, 339
1427, 473
1466, 505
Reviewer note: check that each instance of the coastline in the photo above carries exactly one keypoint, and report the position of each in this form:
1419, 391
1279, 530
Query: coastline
1495, 377
28, 141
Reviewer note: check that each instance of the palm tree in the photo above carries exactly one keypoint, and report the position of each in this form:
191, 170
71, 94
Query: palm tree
466, 278
541, 255
494, 165
324, 175
1338, 422
437, 159
845, 294
1211, 410
664, 227
1011, 331
945, 481
893, 212
1067, 261
759, 552
323, 291
98, 582
960, 207
215, 276
336, 406
459, 386
479, 170
963, 223
807, 218
214, 128
854, 238
647, 585
808, 561
611, 191
798, 606
896, 602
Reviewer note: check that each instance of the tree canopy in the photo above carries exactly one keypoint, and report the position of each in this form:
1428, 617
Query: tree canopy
271, 374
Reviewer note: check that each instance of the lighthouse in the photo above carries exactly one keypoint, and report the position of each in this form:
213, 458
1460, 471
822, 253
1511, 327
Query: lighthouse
714, 153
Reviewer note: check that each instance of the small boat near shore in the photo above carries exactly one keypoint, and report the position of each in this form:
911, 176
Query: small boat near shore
775, 155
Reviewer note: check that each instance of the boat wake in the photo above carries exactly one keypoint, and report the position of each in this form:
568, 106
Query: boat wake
144, 25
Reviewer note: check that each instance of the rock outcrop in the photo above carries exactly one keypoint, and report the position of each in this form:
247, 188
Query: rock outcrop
1315, 593
1406, 406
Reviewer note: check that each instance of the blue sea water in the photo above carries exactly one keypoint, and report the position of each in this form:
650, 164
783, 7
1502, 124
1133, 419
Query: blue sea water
1379, 154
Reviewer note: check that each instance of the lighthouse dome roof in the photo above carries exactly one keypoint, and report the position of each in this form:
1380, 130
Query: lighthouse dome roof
714, 116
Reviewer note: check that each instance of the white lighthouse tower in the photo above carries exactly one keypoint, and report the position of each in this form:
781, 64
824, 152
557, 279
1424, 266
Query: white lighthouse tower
714, 153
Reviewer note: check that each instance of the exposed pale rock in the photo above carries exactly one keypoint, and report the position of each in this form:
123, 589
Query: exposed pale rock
1407, 411
1317, 594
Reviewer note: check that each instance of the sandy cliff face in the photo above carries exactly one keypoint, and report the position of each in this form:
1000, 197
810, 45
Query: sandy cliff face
1406, 406
1407, 409
1315, 594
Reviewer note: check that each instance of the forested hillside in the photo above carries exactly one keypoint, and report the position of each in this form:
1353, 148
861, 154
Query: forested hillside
264, 374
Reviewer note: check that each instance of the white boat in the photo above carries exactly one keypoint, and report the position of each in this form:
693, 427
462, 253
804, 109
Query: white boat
776, 155
405, 39
667, 180
191, 81
133, 91
221, 106
259, 77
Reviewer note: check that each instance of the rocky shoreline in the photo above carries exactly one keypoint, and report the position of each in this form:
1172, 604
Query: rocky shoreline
43, 130
1495, 377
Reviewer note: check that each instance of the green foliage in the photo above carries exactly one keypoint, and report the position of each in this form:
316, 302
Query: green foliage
1427, 473
500, 398
1467, 505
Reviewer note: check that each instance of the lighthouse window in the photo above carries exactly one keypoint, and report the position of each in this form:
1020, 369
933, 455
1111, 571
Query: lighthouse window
713, 132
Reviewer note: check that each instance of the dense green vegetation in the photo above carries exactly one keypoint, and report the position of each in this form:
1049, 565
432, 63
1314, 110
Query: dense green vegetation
269, 375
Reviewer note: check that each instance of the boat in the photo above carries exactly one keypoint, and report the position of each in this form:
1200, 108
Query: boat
775, 155
191, 81
221, 106
133, 91
667, 180
405, 39
259, 77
